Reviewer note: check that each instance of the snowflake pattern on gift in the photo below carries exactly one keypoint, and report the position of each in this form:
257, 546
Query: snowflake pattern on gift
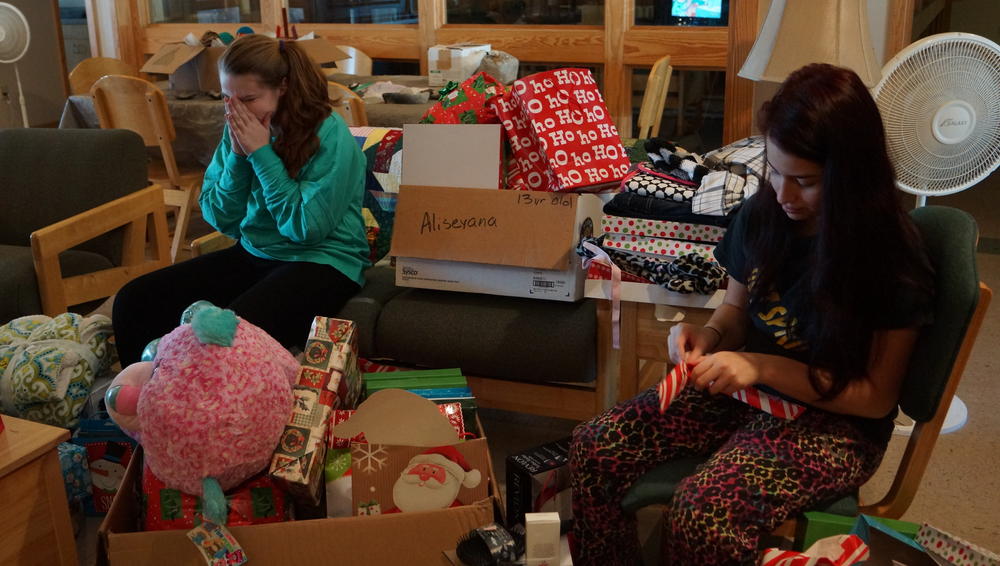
369, 458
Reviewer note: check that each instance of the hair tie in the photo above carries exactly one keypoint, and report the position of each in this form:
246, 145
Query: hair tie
281, 45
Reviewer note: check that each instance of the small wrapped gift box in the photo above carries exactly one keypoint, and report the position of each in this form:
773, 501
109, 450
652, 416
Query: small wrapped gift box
329, 379
466, 103
953, 549
254, 502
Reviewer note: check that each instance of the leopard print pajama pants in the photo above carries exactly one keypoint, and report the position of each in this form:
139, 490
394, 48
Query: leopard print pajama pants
761, 470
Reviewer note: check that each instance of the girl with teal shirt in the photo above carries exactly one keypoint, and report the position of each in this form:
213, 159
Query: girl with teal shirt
286, 182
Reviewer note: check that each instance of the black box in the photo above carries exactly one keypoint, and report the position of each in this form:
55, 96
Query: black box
538, 480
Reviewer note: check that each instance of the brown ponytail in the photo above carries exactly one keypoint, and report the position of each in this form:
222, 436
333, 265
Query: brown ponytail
304, 105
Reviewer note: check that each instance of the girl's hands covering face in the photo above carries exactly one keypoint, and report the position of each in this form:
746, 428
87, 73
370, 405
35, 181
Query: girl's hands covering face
248, 133
233, 142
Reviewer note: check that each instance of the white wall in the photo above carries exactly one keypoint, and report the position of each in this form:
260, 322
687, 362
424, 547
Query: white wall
41, 70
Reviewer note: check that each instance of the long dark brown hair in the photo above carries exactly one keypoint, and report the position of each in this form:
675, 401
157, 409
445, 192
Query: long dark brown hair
305, 103
867, 248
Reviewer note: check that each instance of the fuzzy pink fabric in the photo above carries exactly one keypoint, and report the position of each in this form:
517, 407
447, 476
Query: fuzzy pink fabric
214, 411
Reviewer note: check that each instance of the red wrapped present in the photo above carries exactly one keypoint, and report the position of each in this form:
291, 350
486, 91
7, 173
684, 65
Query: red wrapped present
561, 133
466, 104
257, 500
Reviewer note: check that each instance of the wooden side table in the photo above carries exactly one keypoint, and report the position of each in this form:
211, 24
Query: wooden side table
35, 521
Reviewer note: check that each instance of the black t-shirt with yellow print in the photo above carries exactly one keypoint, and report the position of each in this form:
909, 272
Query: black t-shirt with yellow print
777, 324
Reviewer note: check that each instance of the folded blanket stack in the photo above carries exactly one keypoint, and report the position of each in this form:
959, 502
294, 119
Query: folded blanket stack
48, 365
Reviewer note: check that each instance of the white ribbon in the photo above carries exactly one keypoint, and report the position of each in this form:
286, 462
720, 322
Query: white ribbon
602, 257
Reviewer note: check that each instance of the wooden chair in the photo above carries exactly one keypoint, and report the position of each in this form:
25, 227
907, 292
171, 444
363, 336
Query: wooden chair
933, 374
654, 98
358, 64
86, 72
135, 104
348, 104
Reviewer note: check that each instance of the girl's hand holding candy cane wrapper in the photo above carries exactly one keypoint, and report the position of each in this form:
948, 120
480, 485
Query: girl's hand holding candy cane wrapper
682, 373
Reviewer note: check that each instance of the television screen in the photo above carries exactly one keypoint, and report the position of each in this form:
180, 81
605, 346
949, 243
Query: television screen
696, 9
698, 13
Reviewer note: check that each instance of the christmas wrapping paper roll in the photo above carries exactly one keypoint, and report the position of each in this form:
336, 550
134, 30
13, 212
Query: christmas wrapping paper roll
662, 229
603, 271
661, 247
75, 471
677, 379
329, 379
668, 388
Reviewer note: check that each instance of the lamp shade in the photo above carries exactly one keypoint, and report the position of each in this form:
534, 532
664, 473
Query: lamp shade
798, 32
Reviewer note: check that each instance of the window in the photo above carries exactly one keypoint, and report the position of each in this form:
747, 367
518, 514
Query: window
692, 115
204, 11
530, 12
353, 11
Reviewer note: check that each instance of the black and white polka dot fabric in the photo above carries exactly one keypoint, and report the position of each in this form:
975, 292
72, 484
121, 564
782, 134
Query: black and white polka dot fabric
649, 183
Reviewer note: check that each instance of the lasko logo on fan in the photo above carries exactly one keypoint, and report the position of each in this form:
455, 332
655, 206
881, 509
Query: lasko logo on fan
949, 122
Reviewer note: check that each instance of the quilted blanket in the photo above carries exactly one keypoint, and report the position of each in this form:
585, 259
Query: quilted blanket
48, 365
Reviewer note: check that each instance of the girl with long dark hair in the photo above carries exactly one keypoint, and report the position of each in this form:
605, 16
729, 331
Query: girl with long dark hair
829, 285
287, 182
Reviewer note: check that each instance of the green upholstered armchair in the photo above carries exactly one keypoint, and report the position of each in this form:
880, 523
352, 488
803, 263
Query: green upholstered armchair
76, 204
935, 369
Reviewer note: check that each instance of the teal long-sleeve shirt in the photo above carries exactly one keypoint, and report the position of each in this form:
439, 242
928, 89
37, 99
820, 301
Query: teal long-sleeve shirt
315, 217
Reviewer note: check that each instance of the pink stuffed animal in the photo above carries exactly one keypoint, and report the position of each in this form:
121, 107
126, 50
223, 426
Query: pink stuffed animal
211, 405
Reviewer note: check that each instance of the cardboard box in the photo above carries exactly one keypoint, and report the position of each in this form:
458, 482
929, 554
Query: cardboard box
513, 243
402, 538
195, 68
541, 539
455, 62
436, 155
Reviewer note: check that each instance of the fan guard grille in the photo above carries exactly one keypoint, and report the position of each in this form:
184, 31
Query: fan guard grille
14, 35
926, 76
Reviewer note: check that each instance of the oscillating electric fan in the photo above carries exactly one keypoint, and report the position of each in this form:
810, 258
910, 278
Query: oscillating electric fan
15, 36
940, 103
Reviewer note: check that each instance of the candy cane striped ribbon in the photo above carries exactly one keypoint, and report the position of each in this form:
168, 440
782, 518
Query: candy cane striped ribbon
770, 403
677, 379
